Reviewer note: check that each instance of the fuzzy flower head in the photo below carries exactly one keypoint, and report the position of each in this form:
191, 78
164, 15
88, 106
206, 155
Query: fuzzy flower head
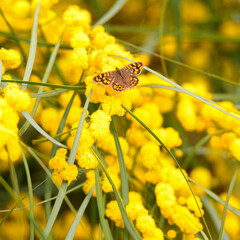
16, 98
99, 124
61, 169
10, 58
74, 16
113, 212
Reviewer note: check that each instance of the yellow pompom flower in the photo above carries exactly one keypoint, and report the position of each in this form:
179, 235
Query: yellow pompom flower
61, 169
145, 224
165, 196
90, 183
79, 57
79, 40
149, 155
10, 58
202, 176
99, 124
147, 113
154, 234
98, 92
186, 114
100, 39
136, 136
235, 148
65, 97
16, 98
112, 105
169, 136
135, 209
50, 119
106, 185
113, 212
86, 159
191, 205
21, 8
171, 233
77, 17
70, 173
8, 132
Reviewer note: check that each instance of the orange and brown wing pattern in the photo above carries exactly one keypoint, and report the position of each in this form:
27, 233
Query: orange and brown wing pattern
133, 81
105, 78
118, 87
133, 68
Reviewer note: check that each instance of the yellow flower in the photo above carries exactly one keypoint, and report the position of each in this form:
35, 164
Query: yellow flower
202, 176
135, 209
99, 124
165, 196
21, 9
106, 185
64, 99
50, 119
79, 57
186, 114
145, 224
112, 105
169, 136
192, 205
235, 148
113, 212
16, 98
8, 132
136, 136
194, 11
70, 173
147, 113
10, 58
77, 17
90, 183
79, 40
100, 39
171, 233
149, 155
86, 159
62, 171
154, 234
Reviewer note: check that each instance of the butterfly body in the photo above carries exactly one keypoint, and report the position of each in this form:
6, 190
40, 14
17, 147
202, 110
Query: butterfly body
121, 79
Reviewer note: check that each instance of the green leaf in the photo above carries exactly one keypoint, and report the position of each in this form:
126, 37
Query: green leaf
40, 130
49, 94
32, 52
123, 172
44, 80
101, 208
220, 237
79, 215
30, 192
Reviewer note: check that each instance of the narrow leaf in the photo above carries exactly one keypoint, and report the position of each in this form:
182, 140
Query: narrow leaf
79, 215
40, 130
101, 208
32, 52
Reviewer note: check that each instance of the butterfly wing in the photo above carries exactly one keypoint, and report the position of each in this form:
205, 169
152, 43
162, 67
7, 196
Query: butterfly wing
133, 68
118, 85
105, 78
133, 82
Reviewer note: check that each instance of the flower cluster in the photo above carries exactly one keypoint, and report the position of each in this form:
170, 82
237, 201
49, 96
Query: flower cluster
61, 169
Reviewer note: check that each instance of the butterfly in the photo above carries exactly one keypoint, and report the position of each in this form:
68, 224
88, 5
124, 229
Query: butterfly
121, 79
